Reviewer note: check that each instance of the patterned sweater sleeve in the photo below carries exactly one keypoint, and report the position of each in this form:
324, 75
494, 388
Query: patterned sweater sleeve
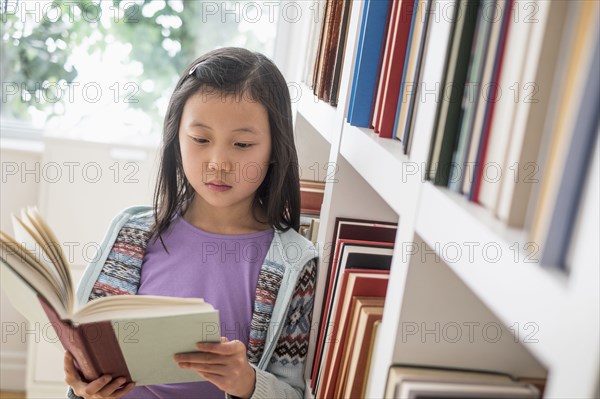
284, 376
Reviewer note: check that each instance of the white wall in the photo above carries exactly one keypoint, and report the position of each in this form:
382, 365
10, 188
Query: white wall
16, 190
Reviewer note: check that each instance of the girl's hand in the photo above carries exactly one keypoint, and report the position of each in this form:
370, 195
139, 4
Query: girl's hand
103, 387
224, 364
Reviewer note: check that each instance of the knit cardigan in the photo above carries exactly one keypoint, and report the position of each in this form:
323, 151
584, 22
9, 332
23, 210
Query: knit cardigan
282, 312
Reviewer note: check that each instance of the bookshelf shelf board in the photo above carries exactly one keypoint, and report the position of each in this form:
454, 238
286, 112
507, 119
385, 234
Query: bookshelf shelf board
318, 113
380, 162
489, 258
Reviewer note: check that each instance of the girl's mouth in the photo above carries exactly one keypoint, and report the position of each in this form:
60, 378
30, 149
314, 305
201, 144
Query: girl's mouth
217, 186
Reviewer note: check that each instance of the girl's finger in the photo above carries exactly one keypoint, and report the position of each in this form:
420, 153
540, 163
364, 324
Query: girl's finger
96, 385
70, 371
200, 357
112, 387
124, 391
216, 369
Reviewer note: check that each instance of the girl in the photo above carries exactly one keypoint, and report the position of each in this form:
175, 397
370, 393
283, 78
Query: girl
223, 227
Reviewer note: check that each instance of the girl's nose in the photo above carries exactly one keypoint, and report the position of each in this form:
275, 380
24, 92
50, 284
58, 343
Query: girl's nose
219, 161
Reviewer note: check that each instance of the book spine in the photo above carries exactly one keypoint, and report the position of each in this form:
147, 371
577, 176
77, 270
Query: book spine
73, 341
396, 71
93, 345
104, 348
368, 62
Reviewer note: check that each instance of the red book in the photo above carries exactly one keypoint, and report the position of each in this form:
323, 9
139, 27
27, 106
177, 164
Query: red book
93, 345
393, 77
382, 78
369, 284
311, 197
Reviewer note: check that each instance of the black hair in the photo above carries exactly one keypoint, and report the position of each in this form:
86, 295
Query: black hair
239, 72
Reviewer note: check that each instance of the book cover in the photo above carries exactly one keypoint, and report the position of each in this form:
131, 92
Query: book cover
529, 125
489, 188
574, 132
359, 385
413, 77
391, 85
311, 197
368, 62
351, 229
334, 23
339, 57
414, 382
471, 98
323, 40
350, 254
454, 83
384, 71
362, 309
99, 333
355, 284
312, 51
412, 33
510, 70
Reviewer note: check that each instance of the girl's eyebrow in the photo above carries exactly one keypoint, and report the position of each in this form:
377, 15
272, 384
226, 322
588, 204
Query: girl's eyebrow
248, 129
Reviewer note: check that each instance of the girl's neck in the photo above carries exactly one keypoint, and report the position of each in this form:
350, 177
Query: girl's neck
222, 220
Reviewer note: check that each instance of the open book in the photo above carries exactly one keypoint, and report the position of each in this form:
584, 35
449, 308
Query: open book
134, 336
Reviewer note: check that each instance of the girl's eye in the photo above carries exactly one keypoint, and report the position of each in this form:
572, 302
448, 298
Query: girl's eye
200, 140
244, 145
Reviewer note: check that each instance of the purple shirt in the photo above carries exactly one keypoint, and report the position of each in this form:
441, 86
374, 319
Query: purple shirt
222, 269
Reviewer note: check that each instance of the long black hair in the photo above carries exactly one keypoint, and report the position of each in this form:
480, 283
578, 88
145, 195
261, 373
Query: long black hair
240, 72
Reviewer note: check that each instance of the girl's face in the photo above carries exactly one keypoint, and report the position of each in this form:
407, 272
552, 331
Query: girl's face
225, 148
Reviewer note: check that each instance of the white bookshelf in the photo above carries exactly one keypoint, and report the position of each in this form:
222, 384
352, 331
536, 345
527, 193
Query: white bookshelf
549, 319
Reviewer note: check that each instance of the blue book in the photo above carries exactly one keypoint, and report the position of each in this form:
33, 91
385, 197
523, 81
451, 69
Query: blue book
366, 69
579, 155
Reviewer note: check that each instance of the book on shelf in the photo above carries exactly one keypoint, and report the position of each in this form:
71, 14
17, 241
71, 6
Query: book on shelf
368, 62
134, 336
314, 35
332, 95
400, 106
359, 383
328, 63
492, 152
309, 227
449, 109
355, 283
364, 312
391, 23
573, 131
472, 102
409, 86
429, 383
311, 197
386, 100
345, 230
524, 119
351, 255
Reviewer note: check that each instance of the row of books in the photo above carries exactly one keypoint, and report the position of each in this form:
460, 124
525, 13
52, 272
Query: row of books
517, 121
356, 285
327, 42
517, 98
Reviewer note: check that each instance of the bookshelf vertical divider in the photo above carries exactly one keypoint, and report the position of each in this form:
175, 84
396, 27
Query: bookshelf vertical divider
368, 177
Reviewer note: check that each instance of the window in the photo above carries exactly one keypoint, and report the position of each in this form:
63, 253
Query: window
105, 69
